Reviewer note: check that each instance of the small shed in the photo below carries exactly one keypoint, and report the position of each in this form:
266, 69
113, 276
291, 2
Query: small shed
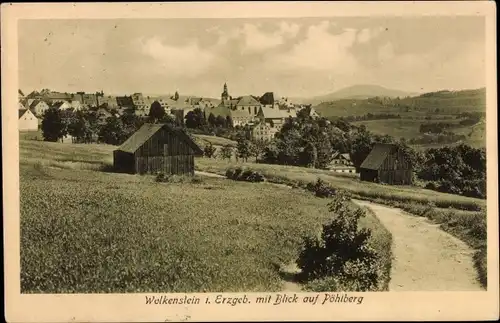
386, 163
157, 148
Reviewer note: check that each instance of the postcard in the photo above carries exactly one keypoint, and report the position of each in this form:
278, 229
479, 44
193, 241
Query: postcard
250, 161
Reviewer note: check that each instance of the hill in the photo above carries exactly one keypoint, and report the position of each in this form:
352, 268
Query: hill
441, 102
362, 91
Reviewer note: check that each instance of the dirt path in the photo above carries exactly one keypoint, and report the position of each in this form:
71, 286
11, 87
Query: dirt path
425, 258
197, 172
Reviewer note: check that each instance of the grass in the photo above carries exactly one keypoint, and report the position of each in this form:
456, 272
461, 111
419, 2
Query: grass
410, 128
214, 140
362, 190
84, 230
461, 216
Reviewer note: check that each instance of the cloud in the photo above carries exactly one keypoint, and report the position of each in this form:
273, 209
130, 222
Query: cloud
254, 38
385, 52
319, 51
187, 60
365, 35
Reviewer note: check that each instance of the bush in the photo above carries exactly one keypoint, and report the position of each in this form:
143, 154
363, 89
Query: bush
167, 178
248, 175
321, 188
342, 251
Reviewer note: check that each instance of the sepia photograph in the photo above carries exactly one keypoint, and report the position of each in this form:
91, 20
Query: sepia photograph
292, 159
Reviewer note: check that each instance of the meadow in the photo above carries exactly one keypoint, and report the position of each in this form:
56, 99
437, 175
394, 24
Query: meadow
361, 190
408, 128
85, 229
463, 217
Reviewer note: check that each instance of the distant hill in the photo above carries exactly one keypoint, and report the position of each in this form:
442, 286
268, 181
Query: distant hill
440, 102
362, 91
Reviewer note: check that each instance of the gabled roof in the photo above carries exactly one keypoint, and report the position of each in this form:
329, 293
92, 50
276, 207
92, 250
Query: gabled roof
219, 110
22, 112
377, 156
35, 103
247, 100
240, 114
58, 104
346, 156
142, 135
275, 113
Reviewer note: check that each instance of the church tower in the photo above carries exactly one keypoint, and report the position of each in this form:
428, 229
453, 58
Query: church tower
225, 94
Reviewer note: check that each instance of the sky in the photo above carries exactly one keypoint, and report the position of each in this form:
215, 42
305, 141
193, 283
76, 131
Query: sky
294, 57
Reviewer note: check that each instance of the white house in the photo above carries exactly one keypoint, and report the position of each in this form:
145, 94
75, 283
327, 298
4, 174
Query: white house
38, 107
62, 105
27, 120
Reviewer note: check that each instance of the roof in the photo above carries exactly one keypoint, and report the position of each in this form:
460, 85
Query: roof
275, 113
58, 104
35, 103
142, 135
248, 100
22, 112
346, 156
377, 156
217, 111
240, 114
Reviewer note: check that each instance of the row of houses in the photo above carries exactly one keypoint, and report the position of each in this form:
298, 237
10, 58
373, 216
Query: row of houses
264, 116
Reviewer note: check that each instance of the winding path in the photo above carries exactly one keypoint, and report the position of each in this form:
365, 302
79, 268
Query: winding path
425, 258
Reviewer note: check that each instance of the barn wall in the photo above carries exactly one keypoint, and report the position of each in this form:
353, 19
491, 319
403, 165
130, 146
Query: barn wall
179, 165
165, 152
368, 175
123, 162
394, 173
155, 146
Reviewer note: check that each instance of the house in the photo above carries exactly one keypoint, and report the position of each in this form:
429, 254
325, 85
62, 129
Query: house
263, 131
275, 117
386, 163
20, 95
248, 103
157, 148
241, 117
341, 159
27, 120
38, 107
62, 105
76, 105
103, 114
341, 163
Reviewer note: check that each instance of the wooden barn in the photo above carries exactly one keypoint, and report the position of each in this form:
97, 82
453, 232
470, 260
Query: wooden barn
157, 148
386, 164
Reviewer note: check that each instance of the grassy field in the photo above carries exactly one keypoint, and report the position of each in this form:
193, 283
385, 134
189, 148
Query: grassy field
214, 140
409, 128
87, 230
461, 216
352, 184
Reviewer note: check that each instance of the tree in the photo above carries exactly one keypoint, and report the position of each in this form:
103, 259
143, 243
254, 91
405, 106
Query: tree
226, 152
112, 131
195, 119
212, 121
343, 251
244, 148
156, 112
53, 125
258, 147
209, 150
229, 122
220, 121
79, 127
176, 96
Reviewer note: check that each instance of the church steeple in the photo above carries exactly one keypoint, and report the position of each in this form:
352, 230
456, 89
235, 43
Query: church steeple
225, 93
